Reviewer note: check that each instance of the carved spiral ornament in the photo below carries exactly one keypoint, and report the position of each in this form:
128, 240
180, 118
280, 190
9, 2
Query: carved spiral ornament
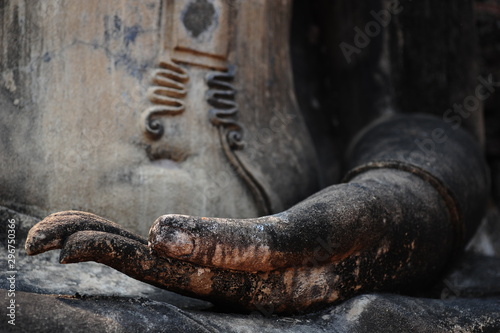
220, 96
167, 94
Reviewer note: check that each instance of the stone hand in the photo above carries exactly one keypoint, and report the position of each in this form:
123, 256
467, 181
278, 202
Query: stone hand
392, 226
311, 255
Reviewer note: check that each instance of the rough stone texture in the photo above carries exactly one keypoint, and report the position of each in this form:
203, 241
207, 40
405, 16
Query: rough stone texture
345, 240
120, 304
74, 80
400, 313
44, 274
466, 300
366, 313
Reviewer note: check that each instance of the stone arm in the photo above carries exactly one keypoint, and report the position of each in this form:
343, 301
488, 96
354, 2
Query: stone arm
415, 192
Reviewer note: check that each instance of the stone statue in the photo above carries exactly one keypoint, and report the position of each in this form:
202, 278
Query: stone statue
163, 113
188, 107
391, 226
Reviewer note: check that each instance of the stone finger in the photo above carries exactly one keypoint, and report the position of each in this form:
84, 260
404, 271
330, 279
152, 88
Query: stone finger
51, 232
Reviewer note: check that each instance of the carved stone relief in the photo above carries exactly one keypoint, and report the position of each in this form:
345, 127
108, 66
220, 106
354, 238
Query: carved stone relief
196, 33
221, 96
167, 94
201, 33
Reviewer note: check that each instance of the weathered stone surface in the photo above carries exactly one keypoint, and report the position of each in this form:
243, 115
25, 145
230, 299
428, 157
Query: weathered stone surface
78, 78
367, 313
393, 225
98, 298
30, 82
44, 274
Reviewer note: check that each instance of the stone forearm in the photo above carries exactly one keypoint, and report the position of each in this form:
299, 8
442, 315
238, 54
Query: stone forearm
397, 186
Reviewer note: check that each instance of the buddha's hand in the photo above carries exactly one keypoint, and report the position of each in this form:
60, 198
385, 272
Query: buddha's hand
392, 226
344, 240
